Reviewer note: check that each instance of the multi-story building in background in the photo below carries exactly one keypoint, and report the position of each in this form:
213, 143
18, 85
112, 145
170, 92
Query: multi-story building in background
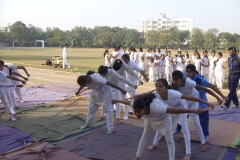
164, 23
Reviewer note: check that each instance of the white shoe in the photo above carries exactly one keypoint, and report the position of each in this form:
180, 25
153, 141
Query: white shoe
235, 106
13, 111
223, 106
125, 118
21, 101
110, 131
85, 126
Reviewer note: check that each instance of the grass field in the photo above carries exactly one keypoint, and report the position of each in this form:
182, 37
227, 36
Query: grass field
83, 59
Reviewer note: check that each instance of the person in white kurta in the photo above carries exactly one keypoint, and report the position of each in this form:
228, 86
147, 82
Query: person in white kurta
157, 68
101, 94
142, 64
194, 56
162, 67
205, 65
212, 59
114, 55
112, 76
65, 57
107, 58
197, 63
187, 60
14, 69
151, 65
180, 63
169, 67
220, 70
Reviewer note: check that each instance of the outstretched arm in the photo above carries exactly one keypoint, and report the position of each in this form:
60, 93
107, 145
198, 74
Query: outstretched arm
80, 88
13, 78
179, 111
190, 98
123, 101
117, 87
26, 79
213, 87
25, 70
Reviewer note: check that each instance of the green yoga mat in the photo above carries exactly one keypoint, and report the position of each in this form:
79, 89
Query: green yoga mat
49, 123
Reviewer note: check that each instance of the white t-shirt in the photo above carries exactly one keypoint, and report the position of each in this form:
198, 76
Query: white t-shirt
220, 63
65, 53
120, 53
189, 88
197, 64
173, 97
114, 54
6, 80
211, 62
204, 70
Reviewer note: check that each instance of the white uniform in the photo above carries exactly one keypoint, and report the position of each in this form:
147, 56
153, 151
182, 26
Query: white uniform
193, 58
180, 63
190, 90
212, 69
151, 72
114, 54
169, 68
120, 53
157, 69
14, 82
141, 54
130, 90
136, 58
65, 57
205, 70
220, 72
101, 94
2, 92
157, 120
197, 64
187, 62
143, 66
117, 79
162, 68
106, 60
174, 100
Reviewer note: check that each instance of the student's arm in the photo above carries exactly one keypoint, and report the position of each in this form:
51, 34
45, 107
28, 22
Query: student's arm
26, 79
213, 87
123, 101
144, 75
209, 92
143, 94
179, 110
131, 72
123, 79
114, 56
6, 86
190, 98
16, 79
25, 70
80, 88
117, 87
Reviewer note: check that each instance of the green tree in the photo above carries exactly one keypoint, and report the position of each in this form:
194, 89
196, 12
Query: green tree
196, 38
210, 38
19, 32
104, 39
153, 38
226, 39
3, 37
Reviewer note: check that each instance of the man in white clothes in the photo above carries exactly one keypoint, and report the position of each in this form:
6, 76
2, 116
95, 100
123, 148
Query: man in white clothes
132, 91
212, 58
65, 57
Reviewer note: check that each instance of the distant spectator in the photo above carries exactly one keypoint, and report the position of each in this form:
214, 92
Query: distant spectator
65, 57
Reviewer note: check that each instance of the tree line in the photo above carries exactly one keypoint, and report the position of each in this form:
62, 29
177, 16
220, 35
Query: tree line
105, 36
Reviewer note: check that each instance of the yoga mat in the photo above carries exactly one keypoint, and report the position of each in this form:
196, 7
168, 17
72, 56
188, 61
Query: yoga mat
11, 138
41, 151
45, 122
123, 144
231, 114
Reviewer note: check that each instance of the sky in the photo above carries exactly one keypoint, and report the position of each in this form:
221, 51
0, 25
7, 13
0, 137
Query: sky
66, 14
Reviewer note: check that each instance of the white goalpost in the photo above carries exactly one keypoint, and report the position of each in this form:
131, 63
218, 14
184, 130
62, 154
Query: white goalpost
42, 41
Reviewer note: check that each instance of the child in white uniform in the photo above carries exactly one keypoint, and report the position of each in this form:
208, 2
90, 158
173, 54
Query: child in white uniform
143, 66
157, 68
151, 72
113, 77
106, 57
162, 66
188, 87
154, 112
169, 67
101, 94
187, 60
14, 69
197, 63
212, 59
220, 70
205, 65
180, 62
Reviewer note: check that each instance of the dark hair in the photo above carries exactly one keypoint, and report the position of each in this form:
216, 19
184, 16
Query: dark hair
187, 55
178, 74
220, 53
140, 49
192, 67
105, 52
198, 54
10, 71
179, 52
213, 51
117, 64
144, 102
165, 83
102, 69
126, 56
66, 44
83, 78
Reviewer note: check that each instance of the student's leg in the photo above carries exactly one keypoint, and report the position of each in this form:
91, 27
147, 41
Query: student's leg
116, 95
10, 101
170, 141
132, 93
13, 97
183, 121
92, 109
204, 121
126, 108
232, 95
157, 138
109, 118
8, 108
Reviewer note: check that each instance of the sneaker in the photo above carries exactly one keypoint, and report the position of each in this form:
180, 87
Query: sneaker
206, 138
176, 132
223, 106
12, 119
125, 118
85, 126
235, 106
110, 131
13, 111
22, 101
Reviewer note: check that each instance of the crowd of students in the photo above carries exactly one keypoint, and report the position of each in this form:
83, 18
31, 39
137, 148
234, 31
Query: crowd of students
181, 87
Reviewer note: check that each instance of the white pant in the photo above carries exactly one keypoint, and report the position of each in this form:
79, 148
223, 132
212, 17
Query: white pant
129, 94
115, 95
65, 62
92, 109
7, 92
182, 120
212, 77
169, 77
220, 78
3, 98
17, 89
